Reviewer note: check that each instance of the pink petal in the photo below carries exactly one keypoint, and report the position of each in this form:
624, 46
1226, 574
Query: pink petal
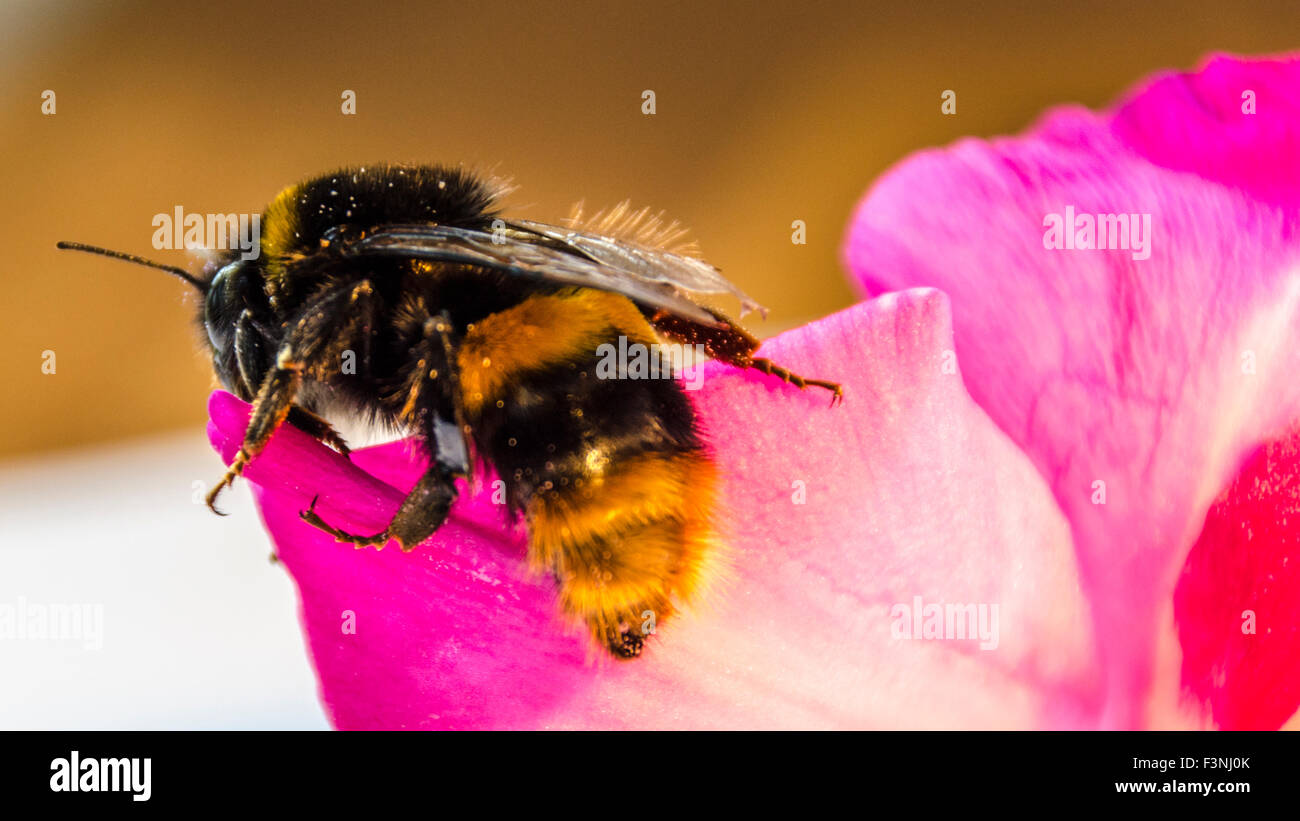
1104, 367
910, 491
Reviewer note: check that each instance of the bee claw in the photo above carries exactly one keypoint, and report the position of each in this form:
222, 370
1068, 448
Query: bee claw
215, 492
309, 515
236, 469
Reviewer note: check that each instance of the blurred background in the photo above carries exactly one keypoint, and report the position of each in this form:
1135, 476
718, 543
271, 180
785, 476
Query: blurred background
765, 113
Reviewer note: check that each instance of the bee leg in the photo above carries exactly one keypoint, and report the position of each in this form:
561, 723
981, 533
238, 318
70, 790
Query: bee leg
433, 403
250, 354
309, 423
422, 512
449, 440
269, 409
251, 357
316, 329
768, 366
734, 345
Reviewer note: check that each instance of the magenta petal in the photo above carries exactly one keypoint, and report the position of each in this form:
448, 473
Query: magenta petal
1195, 122
1155, 376
910, 491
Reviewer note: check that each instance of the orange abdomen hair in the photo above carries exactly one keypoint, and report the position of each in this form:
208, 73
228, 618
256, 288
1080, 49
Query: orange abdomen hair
609, 472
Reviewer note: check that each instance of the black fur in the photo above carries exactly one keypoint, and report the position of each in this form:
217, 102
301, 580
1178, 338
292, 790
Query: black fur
386, 329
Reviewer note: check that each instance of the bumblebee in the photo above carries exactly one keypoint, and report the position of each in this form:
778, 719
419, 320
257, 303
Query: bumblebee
478, 335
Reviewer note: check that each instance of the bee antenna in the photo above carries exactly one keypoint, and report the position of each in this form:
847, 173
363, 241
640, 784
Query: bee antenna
138, 260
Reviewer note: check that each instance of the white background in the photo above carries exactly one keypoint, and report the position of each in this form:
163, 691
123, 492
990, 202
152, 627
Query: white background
200, 629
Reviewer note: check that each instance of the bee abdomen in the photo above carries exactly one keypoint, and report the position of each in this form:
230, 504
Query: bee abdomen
533, 392
627, 543
610, 474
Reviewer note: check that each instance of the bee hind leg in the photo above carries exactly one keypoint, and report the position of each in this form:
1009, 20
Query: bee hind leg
768, 366
730, 343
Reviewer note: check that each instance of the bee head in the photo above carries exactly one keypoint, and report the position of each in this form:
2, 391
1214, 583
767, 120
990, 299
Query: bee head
233, 318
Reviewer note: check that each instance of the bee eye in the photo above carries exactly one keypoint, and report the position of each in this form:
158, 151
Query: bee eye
222, 306
219, 281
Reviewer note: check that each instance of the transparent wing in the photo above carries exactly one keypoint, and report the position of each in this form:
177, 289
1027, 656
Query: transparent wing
646, 264
554, 254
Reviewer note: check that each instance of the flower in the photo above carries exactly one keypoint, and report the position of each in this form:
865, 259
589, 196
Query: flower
1143, 383
1090, 452
834, 516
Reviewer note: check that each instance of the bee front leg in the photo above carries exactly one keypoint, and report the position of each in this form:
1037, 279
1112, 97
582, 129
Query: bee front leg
314, 334
269, 409
319, 429
252, 355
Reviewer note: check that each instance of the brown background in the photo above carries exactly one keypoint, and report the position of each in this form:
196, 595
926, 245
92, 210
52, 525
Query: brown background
767, 113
